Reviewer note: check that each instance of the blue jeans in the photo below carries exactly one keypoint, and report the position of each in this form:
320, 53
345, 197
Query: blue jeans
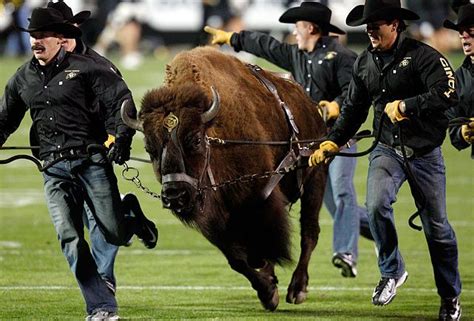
103, 253
340, 200
386, 176
67, 185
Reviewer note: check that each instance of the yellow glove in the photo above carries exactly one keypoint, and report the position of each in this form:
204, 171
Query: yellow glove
332, 109
321, 154
393, 111
219, 37
110, 140
467, 131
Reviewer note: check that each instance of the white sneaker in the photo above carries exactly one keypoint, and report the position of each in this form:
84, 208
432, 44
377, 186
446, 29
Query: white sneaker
386, 290
103, 316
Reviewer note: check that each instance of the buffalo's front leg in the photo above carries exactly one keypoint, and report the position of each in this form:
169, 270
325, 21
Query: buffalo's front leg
263, 281
311, 202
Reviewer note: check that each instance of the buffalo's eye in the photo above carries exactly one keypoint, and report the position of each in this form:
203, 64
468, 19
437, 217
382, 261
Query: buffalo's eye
193, 142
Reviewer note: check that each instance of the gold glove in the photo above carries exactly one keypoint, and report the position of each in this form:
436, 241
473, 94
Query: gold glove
110, 140
219, 37
321, 154
393, 111
467, 131
332, 109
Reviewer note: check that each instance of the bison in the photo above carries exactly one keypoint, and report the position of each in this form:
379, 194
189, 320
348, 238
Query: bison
207, 95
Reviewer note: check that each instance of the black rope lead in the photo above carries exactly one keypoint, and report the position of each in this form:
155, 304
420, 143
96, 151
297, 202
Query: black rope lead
411, 178
22, 156
413, 183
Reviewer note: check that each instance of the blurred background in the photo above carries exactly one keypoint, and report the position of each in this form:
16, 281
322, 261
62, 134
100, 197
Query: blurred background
133, 29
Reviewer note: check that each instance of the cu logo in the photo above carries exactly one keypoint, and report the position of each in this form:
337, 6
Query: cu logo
170, 122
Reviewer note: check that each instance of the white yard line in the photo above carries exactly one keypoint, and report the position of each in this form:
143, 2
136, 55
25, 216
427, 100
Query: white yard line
203, 288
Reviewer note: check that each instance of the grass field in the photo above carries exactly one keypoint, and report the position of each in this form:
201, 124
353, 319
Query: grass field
185, 277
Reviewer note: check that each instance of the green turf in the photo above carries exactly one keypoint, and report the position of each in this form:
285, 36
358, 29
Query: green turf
185, 277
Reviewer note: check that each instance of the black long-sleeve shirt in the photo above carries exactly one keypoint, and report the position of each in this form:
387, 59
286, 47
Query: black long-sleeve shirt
63, 100
324, 73
415, 73
465, 108
83, 49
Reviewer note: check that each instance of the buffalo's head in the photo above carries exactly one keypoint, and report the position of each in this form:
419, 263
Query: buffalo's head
174, 121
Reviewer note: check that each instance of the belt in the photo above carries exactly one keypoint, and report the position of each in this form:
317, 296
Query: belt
410, 152
73, 152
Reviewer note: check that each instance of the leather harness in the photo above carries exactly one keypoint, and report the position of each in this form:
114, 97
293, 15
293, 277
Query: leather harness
290, 158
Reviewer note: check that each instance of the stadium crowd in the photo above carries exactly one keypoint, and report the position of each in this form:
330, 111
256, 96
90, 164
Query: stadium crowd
134, 27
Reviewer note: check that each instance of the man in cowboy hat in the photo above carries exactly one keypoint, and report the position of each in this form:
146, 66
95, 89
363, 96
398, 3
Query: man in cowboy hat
322, 66
410, 85
61, 91
462, 136
104, 253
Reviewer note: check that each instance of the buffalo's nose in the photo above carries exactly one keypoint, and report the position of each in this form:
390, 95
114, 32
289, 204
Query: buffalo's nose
174, 198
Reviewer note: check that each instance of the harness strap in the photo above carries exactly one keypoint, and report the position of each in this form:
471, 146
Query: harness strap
180, 177
256, 70
291, 158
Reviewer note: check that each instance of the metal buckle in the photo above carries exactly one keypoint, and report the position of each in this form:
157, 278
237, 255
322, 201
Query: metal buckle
408, 151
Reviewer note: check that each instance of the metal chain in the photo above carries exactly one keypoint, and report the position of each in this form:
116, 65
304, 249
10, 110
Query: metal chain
241, 179
135, 180
252, 177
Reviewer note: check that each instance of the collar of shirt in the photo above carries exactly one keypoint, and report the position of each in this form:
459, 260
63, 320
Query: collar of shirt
468, 63
324, 42
81, 47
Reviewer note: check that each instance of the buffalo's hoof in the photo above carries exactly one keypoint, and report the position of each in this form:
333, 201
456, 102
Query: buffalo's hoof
271, 303
299, 298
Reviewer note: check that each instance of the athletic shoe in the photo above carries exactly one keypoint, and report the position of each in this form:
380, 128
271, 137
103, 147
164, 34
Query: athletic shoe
345, 262
145, 229
450, 309
386, 290
103, 316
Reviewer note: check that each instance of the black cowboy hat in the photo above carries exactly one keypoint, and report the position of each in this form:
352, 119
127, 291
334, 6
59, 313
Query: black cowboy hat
375, 10
47, 19
465, 18
66, 11
312, 12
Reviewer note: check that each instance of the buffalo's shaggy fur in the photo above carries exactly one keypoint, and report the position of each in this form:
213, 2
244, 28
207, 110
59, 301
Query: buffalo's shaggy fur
253, 233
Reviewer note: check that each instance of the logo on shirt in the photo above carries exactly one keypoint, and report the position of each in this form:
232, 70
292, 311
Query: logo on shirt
451, 78
330, 55
71, 73
405, 62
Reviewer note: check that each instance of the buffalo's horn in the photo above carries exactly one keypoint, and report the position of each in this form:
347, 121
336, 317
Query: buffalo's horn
125, 111
209, 115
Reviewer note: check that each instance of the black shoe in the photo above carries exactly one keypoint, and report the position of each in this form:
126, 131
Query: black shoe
346, 264
145, 229
450, 309
365, 232
386, 290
